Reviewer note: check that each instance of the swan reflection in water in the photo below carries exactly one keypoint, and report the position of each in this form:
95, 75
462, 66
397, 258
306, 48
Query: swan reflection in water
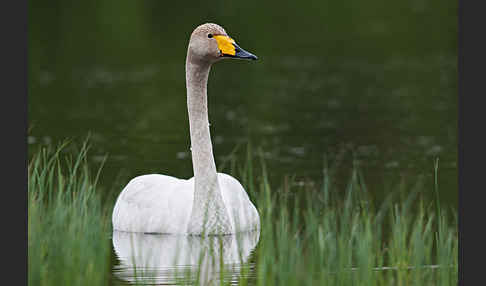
172, 259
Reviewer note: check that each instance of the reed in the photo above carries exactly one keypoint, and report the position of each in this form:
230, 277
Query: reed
68, 242
311, 233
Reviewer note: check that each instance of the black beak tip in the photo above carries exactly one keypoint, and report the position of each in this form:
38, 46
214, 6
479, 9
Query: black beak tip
242, 54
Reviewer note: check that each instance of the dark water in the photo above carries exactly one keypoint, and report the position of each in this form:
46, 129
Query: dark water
376, 78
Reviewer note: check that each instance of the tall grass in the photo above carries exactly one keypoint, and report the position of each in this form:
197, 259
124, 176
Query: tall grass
322, 235
311, 234
67, 226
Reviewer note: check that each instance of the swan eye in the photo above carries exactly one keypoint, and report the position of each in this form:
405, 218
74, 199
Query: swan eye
210, 35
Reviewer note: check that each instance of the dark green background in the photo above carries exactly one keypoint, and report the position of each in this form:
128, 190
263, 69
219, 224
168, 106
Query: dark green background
377, 78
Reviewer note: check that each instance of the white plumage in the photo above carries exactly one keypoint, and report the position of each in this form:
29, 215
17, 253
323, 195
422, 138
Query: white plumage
162, 204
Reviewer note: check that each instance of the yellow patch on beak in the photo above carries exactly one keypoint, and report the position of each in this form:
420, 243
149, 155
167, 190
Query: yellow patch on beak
225, 45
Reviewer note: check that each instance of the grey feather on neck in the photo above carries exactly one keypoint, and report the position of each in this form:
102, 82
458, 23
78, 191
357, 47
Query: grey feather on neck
209, 215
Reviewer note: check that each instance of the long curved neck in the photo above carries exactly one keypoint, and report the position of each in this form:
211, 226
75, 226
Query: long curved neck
197, 106
208, 213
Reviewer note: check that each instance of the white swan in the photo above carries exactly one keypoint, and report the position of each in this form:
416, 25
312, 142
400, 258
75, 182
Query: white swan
210, 203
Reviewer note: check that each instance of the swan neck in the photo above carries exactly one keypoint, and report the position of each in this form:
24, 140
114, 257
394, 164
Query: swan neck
209, 214
201, 147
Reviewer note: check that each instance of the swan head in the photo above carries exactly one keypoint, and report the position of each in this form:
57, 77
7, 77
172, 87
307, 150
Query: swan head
210, 42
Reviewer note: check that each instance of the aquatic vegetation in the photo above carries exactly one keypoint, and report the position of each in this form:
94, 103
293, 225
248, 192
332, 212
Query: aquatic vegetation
322, 239
67, 225
312, 233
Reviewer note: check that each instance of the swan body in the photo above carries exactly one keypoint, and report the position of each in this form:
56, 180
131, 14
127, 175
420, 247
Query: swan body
210, 203
163, 204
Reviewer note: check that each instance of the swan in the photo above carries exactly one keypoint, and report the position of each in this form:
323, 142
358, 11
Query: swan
209, 203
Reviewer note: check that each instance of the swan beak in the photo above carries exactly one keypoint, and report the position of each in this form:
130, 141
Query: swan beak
228, 48
242, 54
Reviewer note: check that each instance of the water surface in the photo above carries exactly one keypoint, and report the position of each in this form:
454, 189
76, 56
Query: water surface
179, 259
